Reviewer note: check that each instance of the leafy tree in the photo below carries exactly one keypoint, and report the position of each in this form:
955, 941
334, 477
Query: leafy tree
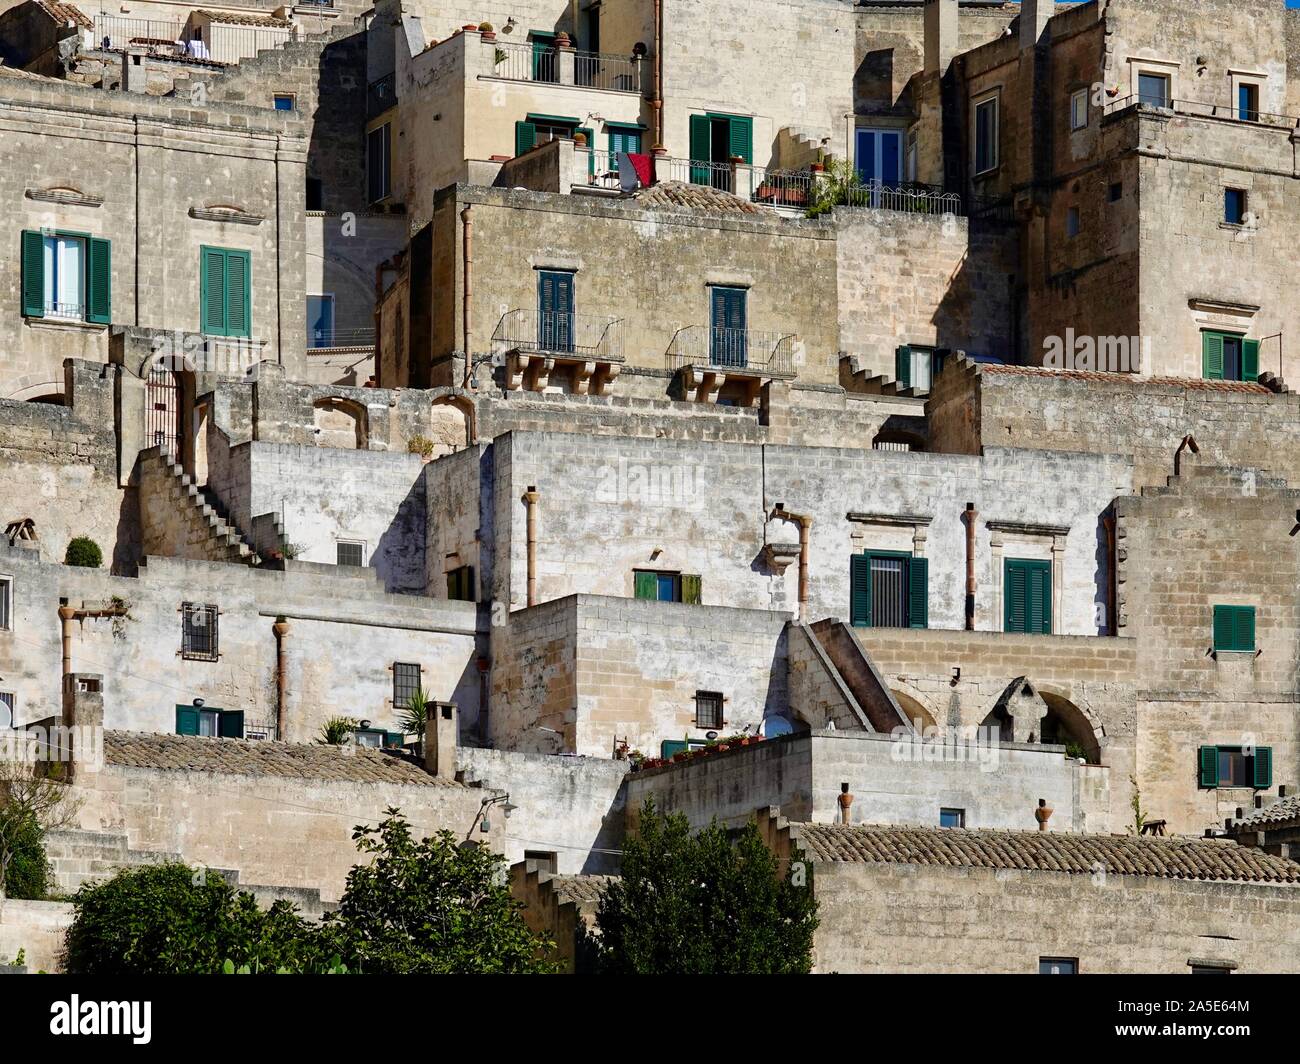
701, 905
30, 804
84, 552
842, 184
434, 906
169, 919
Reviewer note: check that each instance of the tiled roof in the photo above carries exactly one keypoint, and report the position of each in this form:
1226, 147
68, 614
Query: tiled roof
580, 889
678, 195
1168, 858
65, 13
243, 757
229, 19
1251, 387
26, 75
1281, 813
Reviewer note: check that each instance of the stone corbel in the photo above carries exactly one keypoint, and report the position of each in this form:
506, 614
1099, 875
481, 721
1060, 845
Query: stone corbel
515, 366
538, 374
582, 375
778, 556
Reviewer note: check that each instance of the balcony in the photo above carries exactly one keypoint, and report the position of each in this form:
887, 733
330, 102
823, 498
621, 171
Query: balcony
587, 349
708, 357
559, 65
1199, 109
226, 43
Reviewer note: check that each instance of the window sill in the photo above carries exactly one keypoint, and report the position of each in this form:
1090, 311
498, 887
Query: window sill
1238, 227
73, 324
1235, 655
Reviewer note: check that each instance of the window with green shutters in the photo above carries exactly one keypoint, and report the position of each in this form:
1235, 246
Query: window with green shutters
656, 586
209, 721
1229, 357
1235, 766
66, 275
623, 138
1027, 596
715, 139
1234, 629
889, 589
225, 292
555, 301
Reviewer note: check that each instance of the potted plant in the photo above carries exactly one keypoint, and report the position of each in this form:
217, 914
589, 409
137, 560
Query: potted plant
488, 31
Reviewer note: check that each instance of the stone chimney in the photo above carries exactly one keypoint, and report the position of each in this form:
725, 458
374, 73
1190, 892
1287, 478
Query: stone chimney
440, 735
940, 35
135, 70
80, 746
1033, 20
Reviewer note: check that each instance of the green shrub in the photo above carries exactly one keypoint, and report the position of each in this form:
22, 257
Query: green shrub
84, 553
169, 919
28, 874
702, 905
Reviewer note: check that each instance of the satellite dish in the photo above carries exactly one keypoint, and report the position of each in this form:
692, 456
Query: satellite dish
774, 726
627, 179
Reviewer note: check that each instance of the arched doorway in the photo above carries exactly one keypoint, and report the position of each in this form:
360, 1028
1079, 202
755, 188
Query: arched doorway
162, 409
340, 423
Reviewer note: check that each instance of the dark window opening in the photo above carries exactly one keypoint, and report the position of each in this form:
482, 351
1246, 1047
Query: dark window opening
199, 632
1234, 206
406, 683
315, 194
351, 554
708, 710
1058, 966
952, 818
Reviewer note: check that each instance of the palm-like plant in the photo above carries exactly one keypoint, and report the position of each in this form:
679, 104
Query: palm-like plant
336, 731
841, 185
414, 714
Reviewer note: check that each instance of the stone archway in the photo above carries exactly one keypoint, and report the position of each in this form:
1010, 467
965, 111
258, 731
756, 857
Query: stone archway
1068, 725
450, 425
340, 423
914, 705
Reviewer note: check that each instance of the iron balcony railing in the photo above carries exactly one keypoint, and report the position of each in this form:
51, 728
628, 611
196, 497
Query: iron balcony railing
326, 339
717, 347
594, 70
908, 198
1232, 112
584, 336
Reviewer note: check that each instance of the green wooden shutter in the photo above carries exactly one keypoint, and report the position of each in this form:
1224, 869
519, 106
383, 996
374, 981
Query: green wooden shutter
187, 720
230, 723
1263, 766
1222, 627
1212, 356
99, 280
1250, 360
903, 366
1015, 595
691, 589
212, 291
700, 147
1243, 628
860, 591
1040, 598
1208, 758
33, 258
591, 145
918, 592
525, 137
239, 293
645, 586
741, 137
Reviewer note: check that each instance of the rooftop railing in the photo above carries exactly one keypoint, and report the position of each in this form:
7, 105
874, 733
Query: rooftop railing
717, 347
585, 336
331, 339
227, 43
1204, 110
564, 66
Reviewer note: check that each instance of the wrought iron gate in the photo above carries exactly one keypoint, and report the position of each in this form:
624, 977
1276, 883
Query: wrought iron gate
163, 410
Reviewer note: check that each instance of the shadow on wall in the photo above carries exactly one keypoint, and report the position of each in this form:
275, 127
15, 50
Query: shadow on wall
399, 555
976, 311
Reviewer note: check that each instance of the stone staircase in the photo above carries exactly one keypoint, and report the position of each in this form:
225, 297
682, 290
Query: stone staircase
857, 380
179, 519
78, 857
798, 147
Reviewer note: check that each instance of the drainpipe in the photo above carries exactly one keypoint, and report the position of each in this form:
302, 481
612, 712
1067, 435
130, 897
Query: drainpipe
1112, 621
971, 515
657, 103
66, 616
281, 630
805, 524
466, 316
530, 500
